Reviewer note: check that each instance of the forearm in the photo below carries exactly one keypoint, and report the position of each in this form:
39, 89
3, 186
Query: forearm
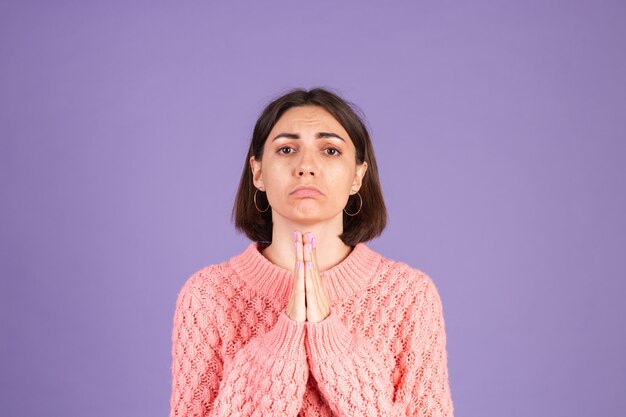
269, 373
350, 373
268, 376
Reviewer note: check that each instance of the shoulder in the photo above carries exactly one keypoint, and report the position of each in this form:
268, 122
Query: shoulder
205, 286
415, 284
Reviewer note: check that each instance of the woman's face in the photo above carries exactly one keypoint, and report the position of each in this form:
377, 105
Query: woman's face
308, 147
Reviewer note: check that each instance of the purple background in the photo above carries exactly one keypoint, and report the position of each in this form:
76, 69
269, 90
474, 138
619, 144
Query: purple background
499, 131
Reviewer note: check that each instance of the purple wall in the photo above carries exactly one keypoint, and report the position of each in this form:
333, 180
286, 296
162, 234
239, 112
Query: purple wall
500, 134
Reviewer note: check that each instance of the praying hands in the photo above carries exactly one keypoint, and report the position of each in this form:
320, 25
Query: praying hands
309, 297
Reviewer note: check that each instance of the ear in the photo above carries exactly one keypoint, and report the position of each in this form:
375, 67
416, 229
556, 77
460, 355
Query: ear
257, 177
358, 177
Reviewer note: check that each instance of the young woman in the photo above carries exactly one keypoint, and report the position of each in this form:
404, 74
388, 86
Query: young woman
308, 320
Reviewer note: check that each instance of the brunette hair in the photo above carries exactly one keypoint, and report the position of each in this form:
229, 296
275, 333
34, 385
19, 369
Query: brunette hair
371, 219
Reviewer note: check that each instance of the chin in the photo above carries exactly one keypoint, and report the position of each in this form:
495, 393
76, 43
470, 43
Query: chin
307, 215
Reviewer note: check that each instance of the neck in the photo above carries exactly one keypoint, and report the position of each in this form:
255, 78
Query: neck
330, 248
357, 271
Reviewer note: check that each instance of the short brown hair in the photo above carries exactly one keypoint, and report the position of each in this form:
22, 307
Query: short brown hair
372, 218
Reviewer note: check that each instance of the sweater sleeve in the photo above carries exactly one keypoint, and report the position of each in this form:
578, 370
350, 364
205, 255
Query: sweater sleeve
266, 377
350, 371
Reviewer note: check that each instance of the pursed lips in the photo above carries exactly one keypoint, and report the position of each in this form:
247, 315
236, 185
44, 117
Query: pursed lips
306, 191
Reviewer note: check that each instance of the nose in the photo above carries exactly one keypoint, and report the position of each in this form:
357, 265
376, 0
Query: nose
307, 164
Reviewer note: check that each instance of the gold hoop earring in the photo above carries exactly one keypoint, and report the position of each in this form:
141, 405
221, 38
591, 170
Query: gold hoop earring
360, 206
257, 207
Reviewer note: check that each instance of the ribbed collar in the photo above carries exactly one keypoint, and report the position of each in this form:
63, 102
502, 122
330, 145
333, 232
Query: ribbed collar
351, 275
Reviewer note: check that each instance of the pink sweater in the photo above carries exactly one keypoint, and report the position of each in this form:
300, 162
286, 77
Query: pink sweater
380, 352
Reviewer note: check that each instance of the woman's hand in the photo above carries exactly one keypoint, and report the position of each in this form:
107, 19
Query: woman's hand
309, 298
296, 308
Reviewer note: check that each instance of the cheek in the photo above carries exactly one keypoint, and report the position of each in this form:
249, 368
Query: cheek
340, 182
278, 169
343, 174
276, 178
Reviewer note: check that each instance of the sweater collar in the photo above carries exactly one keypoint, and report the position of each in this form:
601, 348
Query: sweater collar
348, 277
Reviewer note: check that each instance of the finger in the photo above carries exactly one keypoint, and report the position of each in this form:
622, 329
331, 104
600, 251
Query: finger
305, 244
315, 276
298, 246
308, 270
319, 281
299, 275
296, 309
316, 310
314, 254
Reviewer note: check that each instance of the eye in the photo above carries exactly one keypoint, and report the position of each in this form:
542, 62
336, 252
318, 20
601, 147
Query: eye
332, 151
285, 150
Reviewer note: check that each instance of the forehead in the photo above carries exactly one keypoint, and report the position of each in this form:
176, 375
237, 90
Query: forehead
308, 118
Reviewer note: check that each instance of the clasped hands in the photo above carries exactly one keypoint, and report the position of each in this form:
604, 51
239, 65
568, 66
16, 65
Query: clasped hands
309, 297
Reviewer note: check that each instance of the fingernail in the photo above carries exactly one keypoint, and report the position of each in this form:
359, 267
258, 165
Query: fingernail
310, 265
295, 236
314, 242
309, 236
309, 247
298, 265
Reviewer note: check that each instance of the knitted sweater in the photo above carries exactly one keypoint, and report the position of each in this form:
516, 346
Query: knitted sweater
380, 352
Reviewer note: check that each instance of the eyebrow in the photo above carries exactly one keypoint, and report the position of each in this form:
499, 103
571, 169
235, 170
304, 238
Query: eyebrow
320, 135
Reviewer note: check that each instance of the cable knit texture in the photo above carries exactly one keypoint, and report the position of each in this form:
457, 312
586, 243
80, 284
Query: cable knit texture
380, 352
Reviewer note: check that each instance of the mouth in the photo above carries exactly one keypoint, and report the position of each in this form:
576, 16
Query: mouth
306, 191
